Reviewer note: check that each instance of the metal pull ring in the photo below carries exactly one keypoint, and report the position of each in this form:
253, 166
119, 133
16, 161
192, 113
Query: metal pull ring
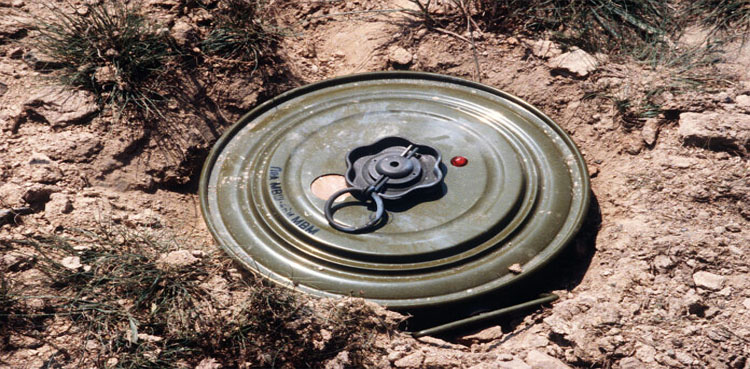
374, 220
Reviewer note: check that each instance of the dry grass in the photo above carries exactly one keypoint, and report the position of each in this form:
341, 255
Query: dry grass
140, 312
111, 49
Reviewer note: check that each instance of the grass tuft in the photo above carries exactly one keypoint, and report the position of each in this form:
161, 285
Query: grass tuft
140, 312
729, 18
240, 32
111, 50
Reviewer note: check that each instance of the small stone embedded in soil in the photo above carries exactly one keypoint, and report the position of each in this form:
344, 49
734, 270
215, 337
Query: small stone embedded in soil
631, 363
177, 259
709, 280
540, 360
76, 147
60, 106
105, 75
399, 56
411, 361
733, 228
719, 131
182, 32
746, 303
650, 131
513, 363
663, 262
743, 101
485, 335
71, 262
58, 204
545, 49
577, 63
208, 363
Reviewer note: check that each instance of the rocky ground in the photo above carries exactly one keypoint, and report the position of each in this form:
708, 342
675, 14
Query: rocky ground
668, 280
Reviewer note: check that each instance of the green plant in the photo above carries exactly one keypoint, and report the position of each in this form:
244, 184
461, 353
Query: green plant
111, 50
240, 32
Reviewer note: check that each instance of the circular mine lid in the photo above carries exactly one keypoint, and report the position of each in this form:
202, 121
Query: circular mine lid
514, 189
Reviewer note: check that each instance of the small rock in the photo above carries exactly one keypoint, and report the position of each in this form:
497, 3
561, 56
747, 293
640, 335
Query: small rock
515, 268
577, 63
746, 303
3, 89
399, 56
72, 262
39, 158
631, 363
183, 33
49, 174
105, 75
684, 357
679, 162
411, 361
733, 228
514, 363
545, 49
16, 53
722, 97
645, 353
540, 360
663, 262
708, 280
718, 131
718, 334
60, 106
485, 335
650, 131
74, 147
743, 101
208, 363
18, 3
633, 145
148, 338
178, 259
58, 204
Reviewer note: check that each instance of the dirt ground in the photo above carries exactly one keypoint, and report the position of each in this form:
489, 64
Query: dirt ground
666, 281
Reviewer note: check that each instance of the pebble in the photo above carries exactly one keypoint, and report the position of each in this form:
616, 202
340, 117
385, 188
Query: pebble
577, 63
72, 262
650, 131
400, 56
631, 363
178, 258
540, 360
413, 360
709, 281
743, 101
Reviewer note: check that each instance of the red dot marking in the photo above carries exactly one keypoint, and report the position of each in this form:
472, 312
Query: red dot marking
459, 161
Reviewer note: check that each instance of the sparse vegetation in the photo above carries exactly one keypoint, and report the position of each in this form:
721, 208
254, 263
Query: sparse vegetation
593, 25
142, 312
110, 49
729, 18
240, 32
